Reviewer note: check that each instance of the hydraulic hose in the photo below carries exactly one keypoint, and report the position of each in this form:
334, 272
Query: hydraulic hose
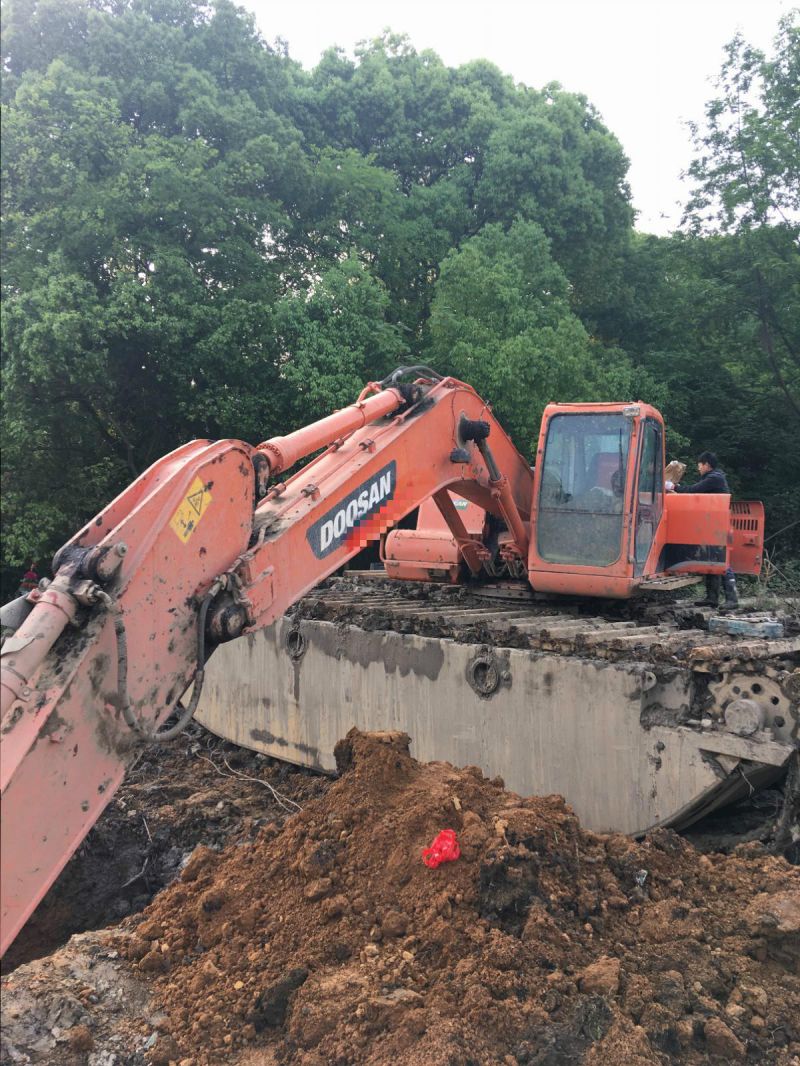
156, 736
403, 371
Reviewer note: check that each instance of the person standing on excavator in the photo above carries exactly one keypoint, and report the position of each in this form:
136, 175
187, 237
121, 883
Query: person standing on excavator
712, 479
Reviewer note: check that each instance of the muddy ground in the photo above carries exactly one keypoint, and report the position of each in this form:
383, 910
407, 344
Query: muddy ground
320, 937
196, 790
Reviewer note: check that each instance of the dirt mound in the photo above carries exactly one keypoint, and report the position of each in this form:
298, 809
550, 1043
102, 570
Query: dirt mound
198, 790
330, 942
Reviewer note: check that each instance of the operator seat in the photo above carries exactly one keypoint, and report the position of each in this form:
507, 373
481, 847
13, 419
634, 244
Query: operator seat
601, 470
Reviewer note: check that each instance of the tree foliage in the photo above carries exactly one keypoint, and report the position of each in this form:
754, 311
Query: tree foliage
501, 319
747, 170
747, 184
714, 311
200, 238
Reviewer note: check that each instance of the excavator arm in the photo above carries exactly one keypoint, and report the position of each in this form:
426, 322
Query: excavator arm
207, 544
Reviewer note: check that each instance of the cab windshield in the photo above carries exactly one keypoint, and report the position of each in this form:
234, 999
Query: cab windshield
582, 488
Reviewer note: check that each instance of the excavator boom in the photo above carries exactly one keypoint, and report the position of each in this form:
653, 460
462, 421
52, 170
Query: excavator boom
198, 550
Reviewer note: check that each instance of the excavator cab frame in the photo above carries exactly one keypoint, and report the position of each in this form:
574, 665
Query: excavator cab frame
604, 532
585, 482
602, 524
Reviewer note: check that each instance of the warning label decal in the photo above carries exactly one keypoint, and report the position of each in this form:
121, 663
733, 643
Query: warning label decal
191, 509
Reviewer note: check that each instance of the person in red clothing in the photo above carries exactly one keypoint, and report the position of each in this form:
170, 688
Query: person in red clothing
30, 579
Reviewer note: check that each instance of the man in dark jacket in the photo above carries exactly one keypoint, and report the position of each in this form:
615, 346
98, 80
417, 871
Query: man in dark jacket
712, 479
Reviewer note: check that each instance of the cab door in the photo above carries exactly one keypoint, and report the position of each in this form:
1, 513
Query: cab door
649, 501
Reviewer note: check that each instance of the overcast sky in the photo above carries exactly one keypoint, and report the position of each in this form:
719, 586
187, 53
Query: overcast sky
644, 64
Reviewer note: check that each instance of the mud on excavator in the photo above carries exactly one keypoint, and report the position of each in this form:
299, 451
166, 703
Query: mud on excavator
558, 685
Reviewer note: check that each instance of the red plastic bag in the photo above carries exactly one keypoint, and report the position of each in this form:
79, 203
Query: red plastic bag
444, 849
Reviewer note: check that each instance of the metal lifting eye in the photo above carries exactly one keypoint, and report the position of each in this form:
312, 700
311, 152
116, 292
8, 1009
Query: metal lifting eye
296, 644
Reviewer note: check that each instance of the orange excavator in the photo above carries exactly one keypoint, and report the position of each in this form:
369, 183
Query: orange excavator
214, 541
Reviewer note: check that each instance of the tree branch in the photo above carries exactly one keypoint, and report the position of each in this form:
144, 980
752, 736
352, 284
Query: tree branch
766, 341
70, 395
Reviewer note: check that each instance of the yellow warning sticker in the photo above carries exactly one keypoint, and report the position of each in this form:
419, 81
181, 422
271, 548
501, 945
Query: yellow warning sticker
185, 520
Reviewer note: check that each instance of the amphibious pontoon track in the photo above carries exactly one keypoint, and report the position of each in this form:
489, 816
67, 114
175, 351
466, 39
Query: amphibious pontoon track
510, 616
639, 714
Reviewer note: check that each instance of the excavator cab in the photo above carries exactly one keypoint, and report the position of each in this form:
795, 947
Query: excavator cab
599, 496
584, 470
597, 522
602, 522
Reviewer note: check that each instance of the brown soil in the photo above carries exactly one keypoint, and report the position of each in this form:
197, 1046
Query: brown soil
330, 942
197, 790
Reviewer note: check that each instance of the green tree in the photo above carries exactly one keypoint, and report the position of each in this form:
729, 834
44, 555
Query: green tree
333, 340
689, 323
553, 161
467, 147
501, 320
149, 191
201, 239
747, 175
